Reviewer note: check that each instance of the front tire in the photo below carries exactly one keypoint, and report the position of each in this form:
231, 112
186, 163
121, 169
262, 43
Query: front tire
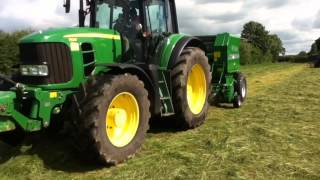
114, 119
191, 78
241, 86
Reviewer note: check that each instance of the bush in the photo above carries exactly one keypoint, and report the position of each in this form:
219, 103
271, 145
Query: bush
253, 55
260, 46
294, 58
9, 50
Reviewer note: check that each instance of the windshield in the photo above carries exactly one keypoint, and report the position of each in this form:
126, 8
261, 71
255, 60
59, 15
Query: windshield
103, 15
115, 14
156, 16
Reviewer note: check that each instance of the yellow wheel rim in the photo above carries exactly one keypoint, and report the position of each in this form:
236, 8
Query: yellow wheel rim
196, 89
122, 120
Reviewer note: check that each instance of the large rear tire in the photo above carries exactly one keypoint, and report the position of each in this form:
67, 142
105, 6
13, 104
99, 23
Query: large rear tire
191, 79
114, 119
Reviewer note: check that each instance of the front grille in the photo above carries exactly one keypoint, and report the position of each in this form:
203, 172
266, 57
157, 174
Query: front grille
56, 55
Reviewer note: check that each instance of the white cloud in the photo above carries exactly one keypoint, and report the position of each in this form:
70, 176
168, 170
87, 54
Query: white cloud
297, 22
38, 14
317, 21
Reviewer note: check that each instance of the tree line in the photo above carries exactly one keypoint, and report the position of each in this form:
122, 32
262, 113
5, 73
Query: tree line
315, 48
9, 49
257, 46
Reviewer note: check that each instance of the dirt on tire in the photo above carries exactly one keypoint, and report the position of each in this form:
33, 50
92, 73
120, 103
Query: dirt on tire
90, 126
184, 117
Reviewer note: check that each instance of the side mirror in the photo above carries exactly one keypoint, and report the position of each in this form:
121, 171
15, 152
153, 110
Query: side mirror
67, 5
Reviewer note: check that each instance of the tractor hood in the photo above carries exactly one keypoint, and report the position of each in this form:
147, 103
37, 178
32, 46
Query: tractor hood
100, 46
64, 35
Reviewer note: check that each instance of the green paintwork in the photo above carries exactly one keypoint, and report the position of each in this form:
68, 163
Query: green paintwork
223, 66
163, 55
225, 63
167, 49
41, 108
46, 104
6, 125
228, 45
229, 92
107, 51
161, 59
6, 107
5, 110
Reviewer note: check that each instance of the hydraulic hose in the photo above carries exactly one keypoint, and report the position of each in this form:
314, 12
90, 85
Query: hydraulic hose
6, 79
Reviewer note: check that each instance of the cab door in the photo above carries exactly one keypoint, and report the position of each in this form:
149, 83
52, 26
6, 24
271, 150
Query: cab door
160, 22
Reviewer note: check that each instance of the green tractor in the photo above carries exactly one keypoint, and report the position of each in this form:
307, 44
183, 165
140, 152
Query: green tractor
124, 64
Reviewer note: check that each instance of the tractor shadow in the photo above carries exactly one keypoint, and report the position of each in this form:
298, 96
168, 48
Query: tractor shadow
223, 106
7, 152
171, 125
55, 151
164, 125
58, 153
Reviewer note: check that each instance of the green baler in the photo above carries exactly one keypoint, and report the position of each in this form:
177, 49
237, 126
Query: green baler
110, 78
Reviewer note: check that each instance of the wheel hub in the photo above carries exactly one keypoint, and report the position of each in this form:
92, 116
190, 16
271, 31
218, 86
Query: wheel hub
122, 119
243, 92
119, 117
196, 89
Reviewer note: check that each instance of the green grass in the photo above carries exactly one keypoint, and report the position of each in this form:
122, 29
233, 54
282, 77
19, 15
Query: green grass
276, 135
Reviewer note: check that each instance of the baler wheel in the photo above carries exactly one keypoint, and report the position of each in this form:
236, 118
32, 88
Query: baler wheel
241, 88
237, 102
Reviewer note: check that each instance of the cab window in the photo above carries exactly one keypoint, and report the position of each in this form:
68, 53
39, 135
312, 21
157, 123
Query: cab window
156, 16
103, 15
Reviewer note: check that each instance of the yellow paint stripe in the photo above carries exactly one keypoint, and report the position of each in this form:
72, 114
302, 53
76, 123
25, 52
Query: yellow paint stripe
93, 35
73, 39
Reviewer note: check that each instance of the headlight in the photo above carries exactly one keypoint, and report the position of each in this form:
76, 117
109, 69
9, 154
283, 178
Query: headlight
34, 70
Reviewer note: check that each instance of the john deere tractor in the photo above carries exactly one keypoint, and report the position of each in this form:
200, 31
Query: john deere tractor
125, 63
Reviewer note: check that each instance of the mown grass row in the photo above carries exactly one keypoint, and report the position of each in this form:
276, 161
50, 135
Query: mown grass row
274, 136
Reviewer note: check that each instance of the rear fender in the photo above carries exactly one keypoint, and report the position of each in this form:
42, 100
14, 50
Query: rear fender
169, 50
181, 45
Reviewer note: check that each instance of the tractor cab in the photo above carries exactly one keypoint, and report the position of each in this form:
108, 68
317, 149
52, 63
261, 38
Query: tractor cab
141, 23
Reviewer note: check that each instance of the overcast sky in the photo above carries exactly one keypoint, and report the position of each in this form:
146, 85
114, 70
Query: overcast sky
297, 22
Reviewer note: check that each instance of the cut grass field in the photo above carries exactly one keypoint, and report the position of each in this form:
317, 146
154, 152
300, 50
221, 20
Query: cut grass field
275, 135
